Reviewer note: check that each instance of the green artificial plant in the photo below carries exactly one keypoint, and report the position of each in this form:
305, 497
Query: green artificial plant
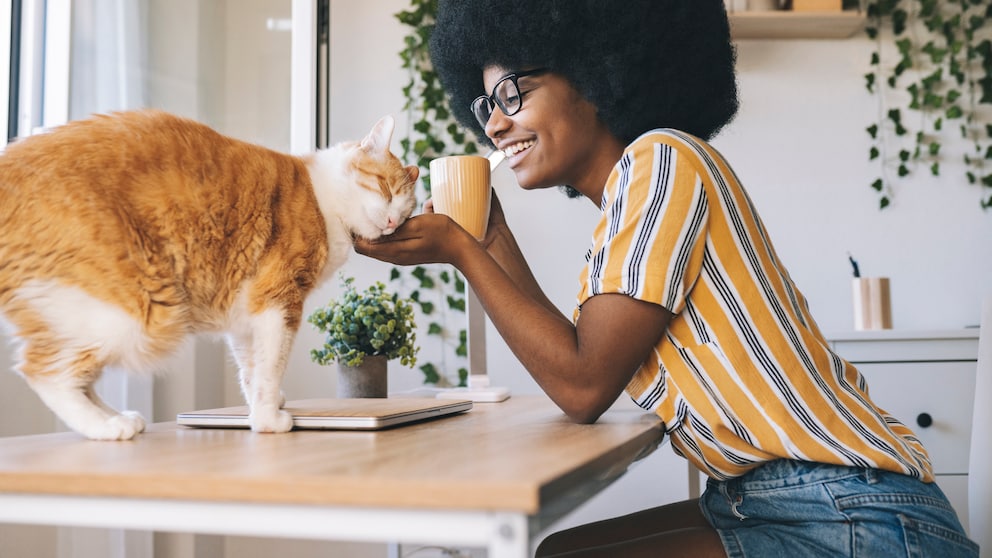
935, 101
367, 323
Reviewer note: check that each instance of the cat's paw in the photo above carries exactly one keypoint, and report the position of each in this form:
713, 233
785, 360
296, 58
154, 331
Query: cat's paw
136, 419
270, 419
118, 427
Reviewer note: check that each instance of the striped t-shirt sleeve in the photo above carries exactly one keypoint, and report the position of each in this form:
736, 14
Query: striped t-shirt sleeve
649, 241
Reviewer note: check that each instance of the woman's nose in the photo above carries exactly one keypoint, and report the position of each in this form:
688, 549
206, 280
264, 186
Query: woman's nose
498, 123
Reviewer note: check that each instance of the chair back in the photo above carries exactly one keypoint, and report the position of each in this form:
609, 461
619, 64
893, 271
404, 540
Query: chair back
980, 460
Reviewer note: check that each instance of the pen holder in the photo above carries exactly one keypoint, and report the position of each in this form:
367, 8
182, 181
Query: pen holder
872, 305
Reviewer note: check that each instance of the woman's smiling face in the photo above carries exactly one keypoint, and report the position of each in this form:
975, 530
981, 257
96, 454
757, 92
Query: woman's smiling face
554, 138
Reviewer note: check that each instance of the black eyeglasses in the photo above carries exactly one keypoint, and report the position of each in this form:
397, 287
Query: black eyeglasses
506, 96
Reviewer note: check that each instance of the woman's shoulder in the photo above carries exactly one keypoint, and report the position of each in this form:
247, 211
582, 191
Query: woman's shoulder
670, 137
689, 148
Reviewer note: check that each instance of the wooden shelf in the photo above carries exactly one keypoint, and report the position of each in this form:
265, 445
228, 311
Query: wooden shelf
796, 25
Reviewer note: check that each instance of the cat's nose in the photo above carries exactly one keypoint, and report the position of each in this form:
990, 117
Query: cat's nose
391, 223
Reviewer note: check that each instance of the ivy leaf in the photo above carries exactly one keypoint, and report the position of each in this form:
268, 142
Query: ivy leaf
430, 373
877, 185
422, 126
434, 329
872, 131
899, 18
456, 303
873, 153
883, 202
985, 84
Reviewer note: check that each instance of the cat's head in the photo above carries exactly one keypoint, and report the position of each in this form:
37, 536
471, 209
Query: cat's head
364, 184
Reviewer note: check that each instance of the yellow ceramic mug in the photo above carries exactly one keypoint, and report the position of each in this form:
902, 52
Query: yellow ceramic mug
461, 190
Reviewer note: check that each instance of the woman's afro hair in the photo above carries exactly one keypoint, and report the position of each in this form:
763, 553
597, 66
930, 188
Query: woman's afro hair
644, 64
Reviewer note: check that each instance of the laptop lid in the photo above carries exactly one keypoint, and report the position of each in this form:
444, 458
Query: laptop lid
335, 414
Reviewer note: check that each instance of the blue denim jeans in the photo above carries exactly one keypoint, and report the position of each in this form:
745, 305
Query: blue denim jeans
795, 508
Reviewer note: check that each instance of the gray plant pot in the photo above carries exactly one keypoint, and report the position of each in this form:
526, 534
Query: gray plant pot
368, 379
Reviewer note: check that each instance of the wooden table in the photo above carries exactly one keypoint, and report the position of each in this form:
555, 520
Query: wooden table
491, 477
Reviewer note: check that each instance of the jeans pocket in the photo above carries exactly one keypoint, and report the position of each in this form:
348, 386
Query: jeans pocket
925, 540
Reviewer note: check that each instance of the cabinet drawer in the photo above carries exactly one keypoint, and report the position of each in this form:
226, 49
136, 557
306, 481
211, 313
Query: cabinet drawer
904, 350
943, 390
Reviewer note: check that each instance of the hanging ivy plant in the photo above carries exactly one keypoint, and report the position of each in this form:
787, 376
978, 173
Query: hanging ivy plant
433, 132
935, 100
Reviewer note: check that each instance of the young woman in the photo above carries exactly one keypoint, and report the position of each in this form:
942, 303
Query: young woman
683, 302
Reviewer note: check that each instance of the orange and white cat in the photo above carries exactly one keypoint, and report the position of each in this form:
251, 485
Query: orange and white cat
123, 234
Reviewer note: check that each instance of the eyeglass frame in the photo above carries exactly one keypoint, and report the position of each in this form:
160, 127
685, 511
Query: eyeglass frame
493, 101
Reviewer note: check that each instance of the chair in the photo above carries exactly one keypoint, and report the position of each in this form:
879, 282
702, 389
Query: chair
980, 460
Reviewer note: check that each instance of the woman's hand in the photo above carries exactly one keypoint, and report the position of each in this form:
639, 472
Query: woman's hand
427, 238
497, 221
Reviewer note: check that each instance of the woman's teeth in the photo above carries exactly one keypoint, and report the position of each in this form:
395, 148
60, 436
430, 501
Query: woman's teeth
517, 148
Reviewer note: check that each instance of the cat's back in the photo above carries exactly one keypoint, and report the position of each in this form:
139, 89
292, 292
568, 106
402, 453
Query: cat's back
97, 150
123, 161
148, 197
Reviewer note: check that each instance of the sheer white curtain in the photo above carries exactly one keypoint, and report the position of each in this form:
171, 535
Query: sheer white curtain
109, 62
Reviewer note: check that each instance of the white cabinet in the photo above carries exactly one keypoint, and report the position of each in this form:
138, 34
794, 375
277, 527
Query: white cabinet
926, 380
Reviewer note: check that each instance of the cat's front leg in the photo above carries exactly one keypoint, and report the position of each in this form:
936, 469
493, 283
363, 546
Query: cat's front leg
77, 404
241, 347
269, 346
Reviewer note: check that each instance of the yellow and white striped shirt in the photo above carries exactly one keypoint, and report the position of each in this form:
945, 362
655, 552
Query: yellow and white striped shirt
743, 374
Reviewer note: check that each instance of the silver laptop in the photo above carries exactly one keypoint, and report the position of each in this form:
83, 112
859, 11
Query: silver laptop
336, 414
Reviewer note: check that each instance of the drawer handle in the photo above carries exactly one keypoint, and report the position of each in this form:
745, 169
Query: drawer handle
924, 420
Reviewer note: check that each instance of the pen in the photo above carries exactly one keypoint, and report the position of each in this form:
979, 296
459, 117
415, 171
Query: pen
854, 264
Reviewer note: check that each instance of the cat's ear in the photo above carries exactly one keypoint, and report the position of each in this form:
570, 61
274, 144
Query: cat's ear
412, 172
378, 139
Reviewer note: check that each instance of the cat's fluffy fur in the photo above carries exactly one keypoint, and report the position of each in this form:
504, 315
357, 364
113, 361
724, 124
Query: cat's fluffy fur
121, 235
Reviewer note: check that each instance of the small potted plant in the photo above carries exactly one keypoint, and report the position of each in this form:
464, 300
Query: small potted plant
364, 330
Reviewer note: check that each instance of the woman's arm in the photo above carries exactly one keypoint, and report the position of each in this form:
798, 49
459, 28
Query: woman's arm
584, 366
503, 247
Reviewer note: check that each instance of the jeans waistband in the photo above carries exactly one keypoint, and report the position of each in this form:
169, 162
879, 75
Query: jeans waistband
789, 472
